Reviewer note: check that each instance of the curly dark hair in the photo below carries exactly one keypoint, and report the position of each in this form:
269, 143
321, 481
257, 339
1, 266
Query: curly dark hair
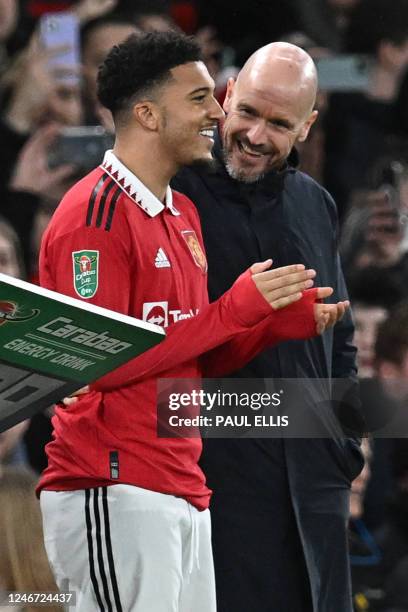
140, 64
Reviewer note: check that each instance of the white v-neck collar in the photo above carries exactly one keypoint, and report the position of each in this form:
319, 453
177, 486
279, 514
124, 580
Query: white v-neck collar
134, 188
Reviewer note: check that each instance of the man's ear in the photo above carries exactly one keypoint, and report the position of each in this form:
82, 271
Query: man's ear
147, 114
228, 95
304, 132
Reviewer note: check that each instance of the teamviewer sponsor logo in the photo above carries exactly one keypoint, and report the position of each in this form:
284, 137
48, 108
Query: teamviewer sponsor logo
161, 260
159, 313
156, 312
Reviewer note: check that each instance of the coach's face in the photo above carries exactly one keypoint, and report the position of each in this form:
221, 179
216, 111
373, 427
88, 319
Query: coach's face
189, 114
266, 115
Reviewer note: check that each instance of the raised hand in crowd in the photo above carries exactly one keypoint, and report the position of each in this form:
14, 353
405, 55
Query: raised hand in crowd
384, 232
39, 93
31, 172
87, 10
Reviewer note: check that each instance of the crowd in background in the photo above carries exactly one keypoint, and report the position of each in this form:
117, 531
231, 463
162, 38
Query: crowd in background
358, 150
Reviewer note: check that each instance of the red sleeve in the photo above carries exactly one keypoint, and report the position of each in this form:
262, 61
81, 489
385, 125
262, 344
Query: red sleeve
290, 323
236, 312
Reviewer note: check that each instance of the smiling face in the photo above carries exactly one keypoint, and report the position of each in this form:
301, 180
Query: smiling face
269, 109
188, 114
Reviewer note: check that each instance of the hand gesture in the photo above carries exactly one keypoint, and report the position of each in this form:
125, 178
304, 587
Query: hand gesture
86, 10
39, 92
31, 172
71, 399
327, 315
281, 286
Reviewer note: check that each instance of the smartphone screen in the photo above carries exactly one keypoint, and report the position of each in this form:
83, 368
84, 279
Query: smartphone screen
62, 30
344, 73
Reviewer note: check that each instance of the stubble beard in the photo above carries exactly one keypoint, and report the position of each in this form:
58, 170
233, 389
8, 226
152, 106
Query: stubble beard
239, 174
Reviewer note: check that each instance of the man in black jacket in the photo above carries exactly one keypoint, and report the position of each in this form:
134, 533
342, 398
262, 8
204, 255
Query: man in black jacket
280, 507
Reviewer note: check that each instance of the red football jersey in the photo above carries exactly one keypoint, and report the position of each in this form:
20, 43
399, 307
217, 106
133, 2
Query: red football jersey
113, 243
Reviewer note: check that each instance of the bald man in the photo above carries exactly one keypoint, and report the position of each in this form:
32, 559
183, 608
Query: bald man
279, 507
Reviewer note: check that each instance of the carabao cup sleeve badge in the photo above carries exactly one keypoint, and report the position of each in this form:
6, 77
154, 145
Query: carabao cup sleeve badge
85, 269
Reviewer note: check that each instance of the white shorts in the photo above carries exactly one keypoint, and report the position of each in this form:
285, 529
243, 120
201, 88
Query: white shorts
126, 549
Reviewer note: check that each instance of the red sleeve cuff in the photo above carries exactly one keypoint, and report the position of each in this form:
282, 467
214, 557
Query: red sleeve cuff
296, 321
246, 304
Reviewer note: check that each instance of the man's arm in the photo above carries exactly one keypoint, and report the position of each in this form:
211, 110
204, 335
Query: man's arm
237, 311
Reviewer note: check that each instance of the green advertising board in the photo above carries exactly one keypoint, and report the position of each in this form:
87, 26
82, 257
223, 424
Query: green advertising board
51, 345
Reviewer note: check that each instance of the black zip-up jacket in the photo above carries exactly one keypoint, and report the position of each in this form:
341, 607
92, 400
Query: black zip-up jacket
289, 217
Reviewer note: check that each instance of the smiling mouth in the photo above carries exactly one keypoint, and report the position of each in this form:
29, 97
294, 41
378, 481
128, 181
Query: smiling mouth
208, 133
243, 148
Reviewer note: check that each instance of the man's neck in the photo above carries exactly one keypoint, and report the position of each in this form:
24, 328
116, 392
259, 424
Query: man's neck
147, 165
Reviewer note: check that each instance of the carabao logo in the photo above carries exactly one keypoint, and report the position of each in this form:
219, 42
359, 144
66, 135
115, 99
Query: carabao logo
10, 311
85, 270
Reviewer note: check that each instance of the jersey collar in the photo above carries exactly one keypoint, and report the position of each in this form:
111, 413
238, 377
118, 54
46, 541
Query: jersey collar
134, 188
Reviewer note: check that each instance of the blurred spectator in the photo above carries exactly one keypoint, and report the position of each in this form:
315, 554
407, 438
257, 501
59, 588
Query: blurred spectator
11, 261
37, 93
401, 111
325, 21
23, 563
88, 10
218, 59
387, 397
97, 38
393, 536
365, 554
391, 347
11, 451
153, 16
367, 317
374, 238
36, 98
312, 150
31, 181
8, 21
358, 124
392, 365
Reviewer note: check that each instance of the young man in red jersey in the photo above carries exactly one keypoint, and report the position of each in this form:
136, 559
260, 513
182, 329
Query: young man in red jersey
125, 513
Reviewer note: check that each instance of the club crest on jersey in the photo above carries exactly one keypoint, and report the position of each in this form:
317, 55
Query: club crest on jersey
85, 269
195, 249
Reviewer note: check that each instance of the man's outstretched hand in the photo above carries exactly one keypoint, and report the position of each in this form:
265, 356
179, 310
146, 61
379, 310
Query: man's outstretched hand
283, 286
327, 315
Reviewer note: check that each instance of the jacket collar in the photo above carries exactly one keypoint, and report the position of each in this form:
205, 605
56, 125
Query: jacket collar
134, 188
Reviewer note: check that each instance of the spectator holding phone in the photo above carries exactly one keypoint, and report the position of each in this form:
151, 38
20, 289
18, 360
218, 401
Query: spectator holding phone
97, 38
359, 124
